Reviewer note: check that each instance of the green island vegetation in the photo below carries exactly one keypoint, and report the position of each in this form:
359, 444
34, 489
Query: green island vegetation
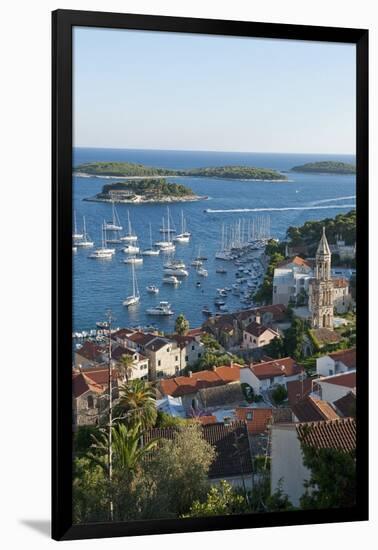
326, 167
129, 169
149, 189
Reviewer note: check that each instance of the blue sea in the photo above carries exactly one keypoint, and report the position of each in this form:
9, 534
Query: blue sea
103, 285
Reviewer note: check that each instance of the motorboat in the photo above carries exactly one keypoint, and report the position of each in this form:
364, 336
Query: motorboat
221, 270
171, 280
164, 308
152, 289
202, 272
176, 271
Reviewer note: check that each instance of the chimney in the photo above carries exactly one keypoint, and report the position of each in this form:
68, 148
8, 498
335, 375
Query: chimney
214, 368
258, 318
190, 374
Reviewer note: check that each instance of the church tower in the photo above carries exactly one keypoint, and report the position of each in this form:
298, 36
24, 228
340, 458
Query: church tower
322, 287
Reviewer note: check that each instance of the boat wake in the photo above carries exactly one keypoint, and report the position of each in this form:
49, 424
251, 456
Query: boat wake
283, 209
334, 200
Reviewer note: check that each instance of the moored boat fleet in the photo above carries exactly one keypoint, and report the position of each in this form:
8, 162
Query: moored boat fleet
240, 244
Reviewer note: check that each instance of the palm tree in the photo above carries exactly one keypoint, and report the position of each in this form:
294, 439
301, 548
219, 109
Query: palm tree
137, 402
128, 451
181, 325
126, 366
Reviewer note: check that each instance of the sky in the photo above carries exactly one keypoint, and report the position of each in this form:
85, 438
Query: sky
155, 90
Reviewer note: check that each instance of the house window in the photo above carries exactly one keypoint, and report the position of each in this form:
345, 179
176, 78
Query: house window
199, 355
176, 358
192, 348
90, 402
254, 340
249, 415
186, 357
159, 363
168, 349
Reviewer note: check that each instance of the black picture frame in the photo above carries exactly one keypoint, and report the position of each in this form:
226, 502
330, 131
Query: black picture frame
62, 23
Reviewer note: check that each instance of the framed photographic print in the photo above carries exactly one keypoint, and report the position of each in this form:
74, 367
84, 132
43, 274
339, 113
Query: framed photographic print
210, 245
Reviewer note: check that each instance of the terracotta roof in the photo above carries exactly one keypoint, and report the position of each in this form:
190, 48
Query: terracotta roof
220, 396
278, 312
347, 379
123, 332
330, 434
91, 351
296, 390
99, 375
82, 383
310, 409
141, 338
182, 385
182, 340
195, 332
296, 260
260, 418
229, 460
346, 405
340, 283
286, 367
257, 329
156, 344
345, 356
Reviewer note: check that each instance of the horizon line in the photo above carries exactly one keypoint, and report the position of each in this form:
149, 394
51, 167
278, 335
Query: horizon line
206, 150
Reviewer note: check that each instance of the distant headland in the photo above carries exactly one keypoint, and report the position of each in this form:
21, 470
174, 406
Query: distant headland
326, 167
132, 170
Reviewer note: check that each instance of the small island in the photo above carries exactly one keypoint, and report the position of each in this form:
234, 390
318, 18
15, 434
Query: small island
148, 190
132, 170
326, 167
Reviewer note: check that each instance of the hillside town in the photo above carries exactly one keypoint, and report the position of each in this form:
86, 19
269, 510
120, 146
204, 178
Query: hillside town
271, 390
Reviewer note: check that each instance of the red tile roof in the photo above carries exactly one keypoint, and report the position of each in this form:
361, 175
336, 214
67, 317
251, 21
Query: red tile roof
141, 338
209, 419
82, 383
123, 332
91, 351
330, 434
182, 340
346, 405
345, 356
260, 418
183, 385
296, 260
257, 329
286, 367
297, 389
195, 332
99, 375
347, 379
310, 409
340, 283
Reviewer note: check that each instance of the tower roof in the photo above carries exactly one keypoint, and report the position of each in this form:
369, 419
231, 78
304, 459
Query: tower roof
323, 248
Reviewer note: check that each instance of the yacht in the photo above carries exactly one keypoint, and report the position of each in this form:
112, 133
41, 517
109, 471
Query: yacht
102, 253
164, 308
131, 249
171, 280
206, 311
133, 260
177, 271
176, 264
113, 225
134, 298
152, 289
130, 236
196, 263
184, 236
202, 271
85, 241
221, 270
151, 251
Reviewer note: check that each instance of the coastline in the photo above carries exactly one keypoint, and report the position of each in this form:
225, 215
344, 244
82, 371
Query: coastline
142, 200
84, 175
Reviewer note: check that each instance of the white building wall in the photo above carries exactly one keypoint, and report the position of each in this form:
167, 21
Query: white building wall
247, 377
325, 366
287, 464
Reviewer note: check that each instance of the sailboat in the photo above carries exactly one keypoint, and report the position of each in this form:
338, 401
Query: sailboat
167, 245
135, 296
184, 236
102, 253
130, 236
75, 234
151, 251
85, 242
200, 270
114, 225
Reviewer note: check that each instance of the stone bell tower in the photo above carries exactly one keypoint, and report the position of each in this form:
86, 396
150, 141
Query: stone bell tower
322, 287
